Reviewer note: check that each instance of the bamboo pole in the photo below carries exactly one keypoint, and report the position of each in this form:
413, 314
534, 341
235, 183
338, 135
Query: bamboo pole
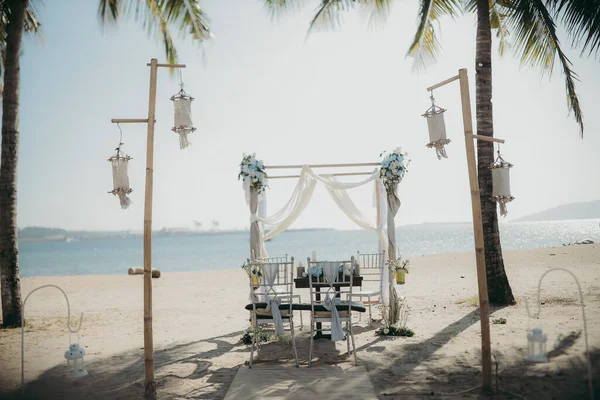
128, 120
488, 139
339, 174
324, 165
447, 81
168, 65
150, 389
486, 353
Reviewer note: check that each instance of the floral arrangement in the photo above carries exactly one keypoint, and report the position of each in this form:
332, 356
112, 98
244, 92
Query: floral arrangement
316, 272
393, 167
398, 265
253, 172
395, 318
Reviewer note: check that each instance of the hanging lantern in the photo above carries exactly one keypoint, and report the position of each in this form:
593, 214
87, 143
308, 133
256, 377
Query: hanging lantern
437, 129
183, 117
536, 345
121, 187
501, 183
75, 354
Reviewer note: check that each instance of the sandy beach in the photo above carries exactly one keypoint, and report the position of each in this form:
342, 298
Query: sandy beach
199, 318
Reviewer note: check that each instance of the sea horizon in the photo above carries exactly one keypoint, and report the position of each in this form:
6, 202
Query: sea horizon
228, 250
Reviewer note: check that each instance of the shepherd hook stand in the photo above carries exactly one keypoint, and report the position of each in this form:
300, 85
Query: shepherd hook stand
23, 329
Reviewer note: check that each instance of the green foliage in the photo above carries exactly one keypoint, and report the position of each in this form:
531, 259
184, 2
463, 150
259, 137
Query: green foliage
262, 336
394, 331
159, 17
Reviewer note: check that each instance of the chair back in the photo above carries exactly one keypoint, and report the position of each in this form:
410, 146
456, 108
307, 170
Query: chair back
281, 259
276, 281
371, 265
333, 278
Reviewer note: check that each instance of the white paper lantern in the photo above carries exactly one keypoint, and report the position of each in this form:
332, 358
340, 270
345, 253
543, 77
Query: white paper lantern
120, 178
183, 117
75, 354
501, 183
536, 345
437, 129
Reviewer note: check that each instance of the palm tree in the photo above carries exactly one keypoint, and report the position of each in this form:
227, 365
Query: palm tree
18, 16
533, 31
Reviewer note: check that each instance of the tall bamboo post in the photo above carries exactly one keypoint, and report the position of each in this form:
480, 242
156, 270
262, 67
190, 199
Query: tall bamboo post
484, 313
150, 387
150, 390
484, 316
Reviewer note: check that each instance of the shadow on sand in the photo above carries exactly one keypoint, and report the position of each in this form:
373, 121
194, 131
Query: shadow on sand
186, 370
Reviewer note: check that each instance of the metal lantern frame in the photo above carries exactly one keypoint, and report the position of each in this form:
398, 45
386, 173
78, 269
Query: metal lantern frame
501, 183
536, 345
75, 353
122, 189
182, 103
437, 128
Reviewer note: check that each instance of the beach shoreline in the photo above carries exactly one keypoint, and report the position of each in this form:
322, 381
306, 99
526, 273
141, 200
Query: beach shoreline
199, 318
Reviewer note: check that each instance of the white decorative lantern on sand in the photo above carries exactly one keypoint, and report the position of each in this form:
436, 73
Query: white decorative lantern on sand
121, 187
437, 129
501, 182
75, 354
183, 117
536, 345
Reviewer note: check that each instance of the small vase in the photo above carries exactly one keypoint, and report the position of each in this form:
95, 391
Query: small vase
401, 277
255, 279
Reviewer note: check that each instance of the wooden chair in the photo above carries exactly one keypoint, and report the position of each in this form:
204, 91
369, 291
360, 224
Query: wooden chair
276, 289
371, 267
326, 292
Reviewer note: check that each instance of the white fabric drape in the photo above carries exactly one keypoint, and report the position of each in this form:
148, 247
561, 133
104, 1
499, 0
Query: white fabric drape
270, 272
257, 244
330, 271
332, 183
285, 217
380, 196
342, 199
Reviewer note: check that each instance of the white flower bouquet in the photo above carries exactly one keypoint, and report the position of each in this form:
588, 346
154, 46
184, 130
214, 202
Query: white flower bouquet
393, 167
252, 172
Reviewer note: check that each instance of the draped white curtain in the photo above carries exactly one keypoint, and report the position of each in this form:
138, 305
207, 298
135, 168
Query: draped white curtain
381, 203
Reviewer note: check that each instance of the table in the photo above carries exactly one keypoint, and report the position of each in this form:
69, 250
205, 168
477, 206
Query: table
302, 283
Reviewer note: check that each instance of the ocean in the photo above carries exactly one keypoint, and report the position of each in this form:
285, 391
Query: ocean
229, 250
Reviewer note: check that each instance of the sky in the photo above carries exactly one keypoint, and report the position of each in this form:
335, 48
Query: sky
261, 86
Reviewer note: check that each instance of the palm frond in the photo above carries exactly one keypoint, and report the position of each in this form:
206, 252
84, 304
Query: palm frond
109, 10
498, 15
377, 12
158, 17
328, 14
425, 46
582, 21
537, 41
281, 7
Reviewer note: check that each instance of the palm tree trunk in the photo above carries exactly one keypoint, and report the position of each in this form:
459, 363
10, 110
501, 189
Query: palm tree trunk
499, 291
10, 285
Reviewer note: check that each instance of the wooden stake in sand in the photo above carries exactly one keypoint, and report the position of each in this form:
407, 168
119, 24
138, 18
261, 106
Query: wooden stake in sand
150, 388
486, 352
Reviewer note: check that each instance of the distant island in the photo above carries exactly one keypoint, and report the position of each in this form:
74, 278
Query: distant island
45, 234
586, 210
